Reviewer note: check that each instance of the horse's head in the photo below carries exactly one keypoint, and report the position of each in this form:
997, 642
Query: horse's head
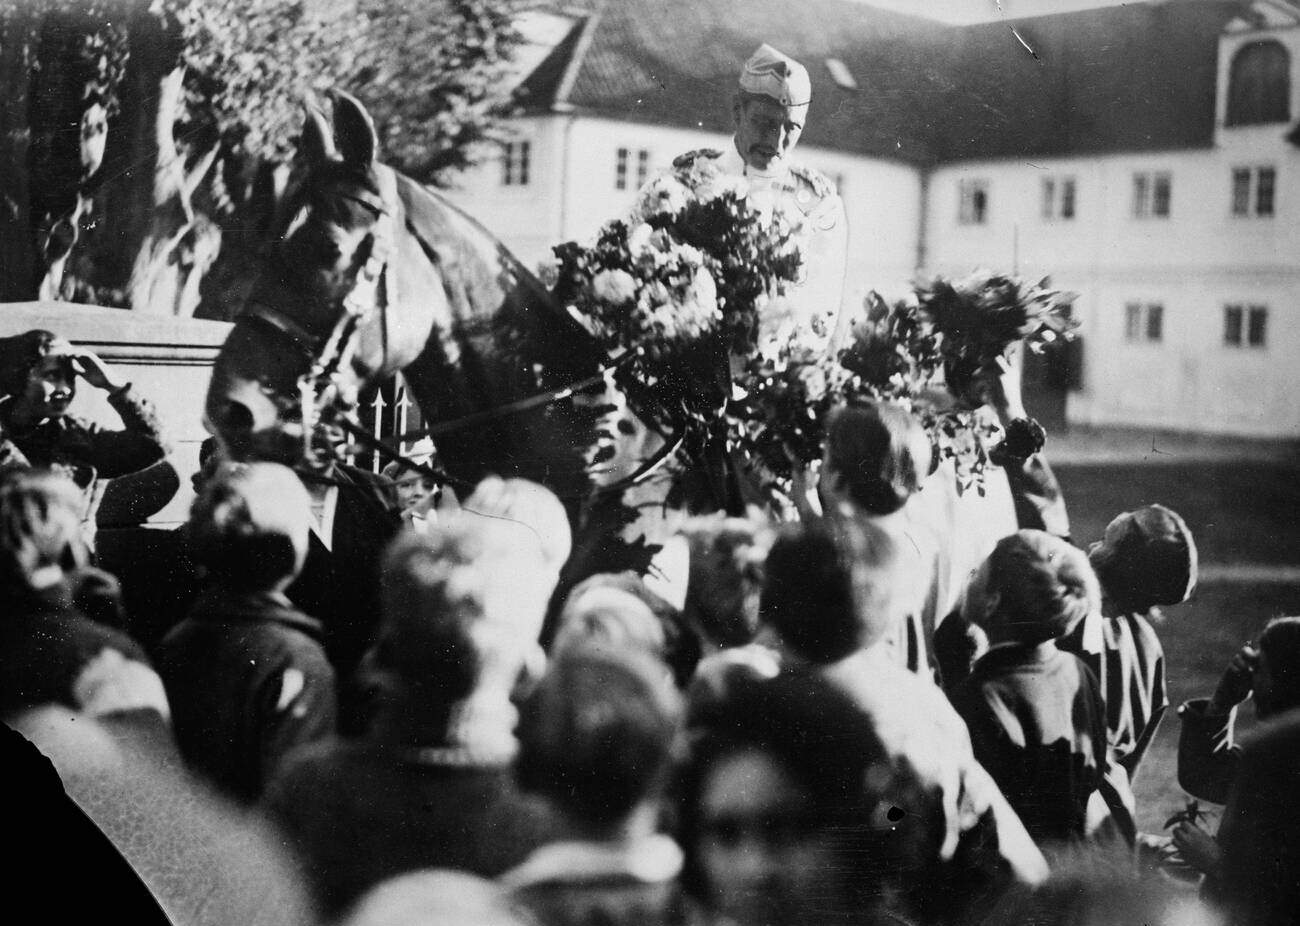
490, 356
325, 262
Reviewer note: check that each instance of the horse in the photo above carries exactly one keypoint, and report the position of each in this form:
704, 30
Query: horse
373, 273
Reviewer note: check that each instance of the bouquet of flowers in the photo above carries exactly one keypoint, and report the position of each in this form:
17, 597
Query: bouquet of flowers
783, 398
901, 353
679, 286
977, 318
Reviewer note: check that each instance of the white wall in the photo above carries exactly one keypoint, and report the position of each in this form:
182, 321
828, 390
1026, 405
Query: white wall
1193, 262
526, 218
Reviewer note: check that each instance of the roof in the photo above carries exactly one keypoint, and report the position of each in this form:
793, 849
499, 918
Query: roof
1137, 77
1134, 77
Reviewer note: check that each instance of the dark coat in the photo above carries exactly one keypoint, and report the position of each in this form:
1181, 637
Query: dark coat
1208, 751
1038, 725
248, 681
50, 653
89, 451
1260, 831
362, 812
340, 586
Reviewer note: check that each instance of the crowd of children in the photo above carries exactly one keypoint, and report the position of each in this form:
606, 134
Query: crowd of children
400, 726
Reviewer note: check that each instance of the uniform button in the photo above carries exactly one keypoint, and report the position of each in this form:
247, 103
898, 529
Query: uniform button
802, 196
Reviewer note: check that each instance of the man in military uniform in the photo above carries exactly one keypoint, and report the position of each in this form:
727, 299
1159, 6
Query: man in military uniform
769, 111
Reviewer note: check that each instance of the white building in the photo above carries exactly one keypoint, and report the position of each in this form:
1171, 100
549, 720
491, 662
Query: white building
1143, 156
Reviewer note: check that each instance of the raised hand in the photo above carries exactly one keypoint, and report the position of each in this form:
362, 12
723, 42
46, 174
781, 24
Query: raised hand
93, 370
1237, 682
1198, 848
1000, 385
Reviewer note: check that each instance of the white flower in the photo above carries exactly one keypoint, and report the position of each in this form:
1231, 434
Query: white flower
716, 183
664, 194
704, 291
548, 271
814, 381
613, 287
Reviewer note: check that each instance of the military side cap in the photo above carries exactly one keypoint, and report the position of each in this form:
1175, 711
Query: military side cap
770, 73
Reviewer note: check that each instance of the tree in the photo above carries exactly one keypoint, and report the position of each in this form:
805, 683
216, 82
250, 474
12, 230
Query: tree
200, 102
438, 90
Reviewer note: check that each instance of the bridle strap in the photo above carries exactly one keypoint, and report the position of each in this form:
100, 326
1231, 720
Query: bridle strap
643, 472
286, 325
515, 407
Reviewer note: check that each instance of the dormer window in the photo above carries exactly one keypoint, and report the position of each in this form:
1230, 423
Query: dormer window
1259, 85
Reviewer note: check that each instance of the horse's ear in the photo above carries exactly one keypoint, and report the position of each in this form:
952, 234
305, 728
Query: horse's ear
317, 143
355, 130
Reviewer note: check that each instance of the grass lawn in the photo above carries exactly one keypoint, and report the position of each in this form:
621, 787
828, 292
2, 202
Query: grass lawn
1240, 513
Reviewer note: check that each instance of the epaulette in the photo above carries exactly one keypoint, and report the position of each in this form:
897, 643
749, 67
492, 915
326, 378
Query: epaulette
689, 158
820, 184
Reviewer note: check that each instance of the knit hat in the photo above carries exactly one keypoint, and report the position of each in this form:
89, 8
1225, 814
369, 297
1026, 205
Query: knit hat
1153, 563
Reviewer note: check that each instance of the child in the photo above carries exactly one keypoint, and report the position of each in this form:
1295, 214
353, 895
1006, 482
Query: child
429, 784
596, 743
54, 654
245, 671
877, 459
419, 496
38, 381
1035, 714
1209, 751
1146, 558
835, 592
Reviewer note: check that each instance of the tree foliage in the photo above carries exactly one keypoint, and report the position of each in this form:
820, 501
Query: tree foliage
437, 87
433, 74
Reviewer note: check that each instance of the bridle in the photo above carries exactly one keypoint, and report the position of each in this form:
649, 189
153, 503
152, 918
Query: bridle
326, 393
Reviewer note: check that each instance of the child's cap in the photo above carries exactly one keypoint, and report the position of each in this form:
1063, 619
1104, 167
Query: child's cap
1157, 557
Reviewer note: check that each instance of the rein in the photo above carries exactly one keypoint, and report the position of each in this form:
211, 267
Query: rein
383, 447
643, 472
323, 388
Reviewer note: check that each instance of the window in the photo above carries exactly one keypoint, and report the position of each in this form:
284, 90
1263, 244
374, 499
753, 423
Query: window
1058, 198
1144, 322
974, 204
1152, 192
1245, 326
515, 163
1259, 85
623, 165
1253, 191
